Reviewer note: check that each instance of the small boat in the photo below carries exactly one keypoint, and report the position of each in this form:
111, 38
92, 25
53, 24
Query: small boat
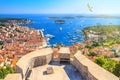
43, 29
60, 28
75, 38
49, 36
83, 21
71, 41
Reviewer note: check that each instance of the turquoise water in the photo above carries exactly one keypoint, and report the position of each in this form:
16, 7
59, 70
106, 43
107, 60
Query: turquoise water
71, 30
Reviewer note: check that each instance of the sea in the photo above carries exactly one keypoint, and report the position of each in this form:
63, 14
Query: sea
68, 33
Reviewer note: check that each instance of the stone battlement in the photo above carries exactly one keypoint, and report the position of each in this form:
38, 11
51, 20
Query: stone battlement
88, 69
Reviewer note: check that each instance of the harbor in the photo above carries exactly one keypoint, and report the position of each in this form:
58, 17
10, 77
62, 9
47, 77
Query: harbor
71, 30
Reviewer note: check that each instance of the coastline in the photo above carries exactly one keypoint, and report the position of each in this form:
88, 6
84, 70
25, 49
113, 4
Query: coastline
31, 41
41, 21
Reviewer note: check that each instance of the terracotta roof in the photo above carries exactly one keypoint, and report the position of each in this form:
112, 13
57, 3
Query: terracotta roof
2, 60
14, 61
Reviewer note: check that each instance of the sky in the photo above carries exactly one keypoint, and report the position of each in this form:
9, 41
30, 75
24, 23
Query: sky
59, 6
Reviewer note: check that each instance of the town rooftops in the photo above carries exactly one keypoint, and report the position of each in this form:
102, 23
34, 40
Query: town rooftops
16, 76
2, 60
64, 50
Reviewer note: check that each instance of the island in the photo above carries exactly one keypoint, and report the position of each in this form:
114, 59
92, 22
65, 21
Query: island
59, 21
99, 16
15, 20
53, 17
68, 17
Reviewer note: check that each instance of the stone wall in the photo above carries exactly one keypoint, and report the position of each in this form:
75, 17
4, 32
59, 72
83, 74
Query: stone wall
91, 71
33, 59
88, 69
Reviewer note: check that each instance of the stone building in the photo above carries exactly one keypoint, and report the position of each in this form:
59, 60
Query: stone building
64, 54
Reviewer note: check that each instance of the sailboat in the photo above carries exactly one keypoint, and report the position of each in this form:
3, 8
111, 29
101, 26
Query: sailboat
60, 28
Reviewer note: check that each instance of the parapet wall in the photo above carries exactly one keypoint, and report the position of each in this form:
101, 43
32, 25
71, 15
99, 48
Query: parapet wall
91, 71
33, 59
88, 69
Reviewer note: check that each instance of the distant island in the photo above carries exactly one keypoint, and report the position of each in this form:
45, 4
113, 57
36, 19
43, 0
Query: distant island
59, 21
65, 17
15, 20
68, 17
53, 17
99, 16
85, 16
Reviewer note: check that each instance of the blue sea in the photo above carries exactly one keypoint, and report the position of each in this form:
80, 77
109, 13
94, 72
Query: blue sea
68, 33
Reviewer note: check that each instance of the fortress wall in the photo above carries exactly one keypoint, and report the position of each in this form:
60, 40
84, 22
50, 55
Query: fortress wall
49, 58
91, 71
39, 61
88, 69
25, 67
33, 59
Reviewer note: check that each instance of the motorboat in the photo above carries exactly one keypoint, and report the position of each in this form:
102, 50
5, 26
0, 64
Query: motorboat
60, 28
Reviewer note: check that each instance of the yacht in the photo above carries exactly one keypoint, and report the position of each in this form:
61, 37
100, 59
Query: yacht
49, 36
60, 28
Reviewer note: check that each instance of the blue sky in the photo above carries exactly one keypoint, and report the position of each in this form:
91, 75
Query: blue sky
59, 6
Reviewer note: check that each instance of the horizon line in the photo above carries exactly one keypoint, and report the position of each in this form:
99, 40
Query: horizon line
61, 13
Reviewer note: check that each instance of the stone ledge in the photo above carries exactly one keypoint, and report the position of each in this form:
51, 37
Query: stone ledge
91, 71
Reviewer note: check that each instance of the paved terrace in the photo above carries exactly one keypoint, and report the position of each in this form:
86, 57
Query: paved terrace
70, 70
39, 73
13, 77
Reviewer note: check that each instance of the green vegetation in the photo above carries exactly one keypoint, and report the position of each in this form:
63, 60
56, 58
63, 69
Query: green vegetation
108, 64
1, 42
99, 16
117, 70
1, 45
104, 43
92, 54
8, 19
110, 41
89, 46
5, 71
1, 25
110, 30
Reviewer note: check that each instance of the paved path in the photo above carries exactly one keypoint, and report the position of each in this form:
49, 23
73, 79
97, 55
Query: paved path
71, 71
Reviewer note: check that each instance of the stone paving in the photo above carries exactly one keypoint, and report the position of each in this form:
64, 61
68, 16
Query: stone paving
71, 71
